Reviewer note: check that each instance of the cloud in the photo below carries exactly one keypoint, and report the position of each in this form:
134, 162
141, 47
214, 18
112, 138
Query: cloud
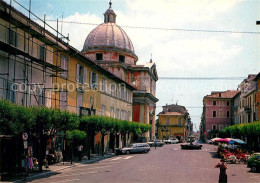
49, 6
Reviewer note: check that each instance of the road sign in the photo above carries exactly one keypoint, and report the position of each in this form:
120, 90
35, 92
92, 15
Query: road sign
25, 136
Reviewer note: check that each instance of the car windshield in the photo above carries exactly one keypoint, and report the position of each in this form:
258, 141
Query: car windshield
129, 145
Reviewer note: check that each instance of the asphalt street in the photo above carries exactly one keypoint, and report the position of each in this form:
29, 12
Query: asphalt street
164, 164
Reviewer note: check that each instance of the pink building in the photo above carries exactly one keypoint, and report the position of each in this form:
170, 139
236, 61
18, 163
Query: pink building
217, 111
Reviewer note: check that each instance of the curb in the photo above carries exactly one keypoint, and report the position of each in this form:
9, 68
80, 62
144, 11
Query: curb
39, 175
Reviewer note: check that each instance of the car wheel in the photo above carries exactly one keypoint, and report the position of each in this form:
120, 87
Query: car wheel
127, 152
253, 169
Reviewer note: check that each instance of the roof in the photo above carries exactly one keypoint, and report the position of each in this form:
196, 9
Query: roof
171, 114
257, 77
222, 94
108, 35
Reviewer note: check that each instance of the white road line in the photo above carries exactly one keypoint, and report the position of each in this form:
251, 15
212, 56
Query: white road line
175, 149
85, 168
72, 180
67, 175
128, 157
116, 159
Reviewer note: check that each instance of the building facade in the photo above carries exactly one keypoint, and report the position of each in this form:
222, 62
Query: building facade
218, 111
247, 107
257, 102
174, 121
110, 47
38, 68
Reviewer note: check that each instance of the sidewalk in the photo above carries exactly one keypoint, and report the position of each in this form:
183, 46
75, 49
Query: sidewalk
55, 168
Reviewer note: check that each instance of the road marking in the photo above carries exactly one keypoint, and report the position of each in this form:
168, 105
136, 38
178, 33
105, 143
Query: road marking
116, 159
128, 157
72, 180
92, 172
175, 149
67, 175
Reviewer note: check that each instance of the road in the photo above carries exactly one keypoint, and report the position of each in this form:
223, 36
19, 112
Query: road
164, 164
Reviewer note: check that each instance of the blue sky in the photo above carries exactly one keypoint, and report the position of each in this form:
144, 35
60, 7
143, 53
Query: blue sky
176, 53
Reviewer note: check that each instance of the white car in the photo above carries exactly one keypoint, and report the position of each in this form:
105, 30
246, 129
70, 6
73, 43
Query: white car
172, 141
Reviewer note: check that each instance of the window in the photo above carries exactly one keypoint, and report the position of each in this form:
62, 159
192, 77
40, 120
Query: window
179, 121
122, 93
117, 114
214, 127
10, 91
167, 121
103, 110
113, 89
99, 56
104, 85
41, 97
81, 76
118, 92
112, 112
151, 86
42, 52
121, 114
227, 103
228, 114
214, 103
79, 101
121, 58
129, 116
64, 66
91, 103
214, 114
93, 80
12, 38
63, 100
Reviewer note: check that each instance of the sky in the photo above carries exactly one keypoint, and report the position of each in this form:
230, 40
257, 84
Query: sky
177, 53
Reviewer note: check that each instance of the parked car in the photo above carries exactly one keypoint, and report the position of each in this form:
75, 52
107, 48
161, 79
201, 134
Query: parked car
254, 162
172, 141
134, 148
160, 143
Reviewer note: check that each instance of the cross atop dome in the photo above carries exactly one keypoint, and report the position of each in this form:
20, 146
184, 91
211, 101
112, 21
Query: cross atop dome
110, 16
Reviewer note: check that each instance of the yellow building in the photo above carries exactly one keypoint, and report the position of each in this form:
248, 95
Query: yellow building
86, 88
171, 124
38, 68
174, 121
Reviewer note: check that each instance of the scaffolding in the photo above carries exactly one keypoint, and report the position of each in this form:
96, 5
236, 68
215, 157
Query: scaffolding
30, 57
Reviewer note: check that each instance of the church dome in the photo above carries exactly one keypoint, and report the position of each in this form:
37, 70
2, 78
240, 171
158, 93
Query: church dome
108, 36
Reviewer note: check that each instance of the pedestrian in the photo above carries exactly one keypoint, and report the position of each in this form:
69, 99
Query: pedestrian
80, 150
222, 174
155, 143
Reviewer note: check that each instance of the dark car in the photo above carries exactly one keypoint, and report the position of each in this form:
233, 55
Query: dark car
134, 148
254, 162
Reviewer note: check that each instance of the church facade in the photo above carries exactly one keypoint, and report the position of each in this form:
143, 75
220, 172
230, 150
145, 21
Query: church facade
109, 46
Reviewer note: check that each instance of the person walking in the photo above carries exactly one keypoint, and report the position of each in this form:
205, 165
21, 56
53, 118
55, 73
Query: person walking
222, 174
80, 150
155, 143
